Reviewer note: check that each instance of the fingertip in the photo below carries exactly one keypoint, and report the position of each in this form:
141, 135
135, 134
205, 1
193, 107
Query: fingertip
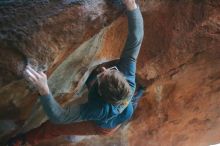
41, 72
26, 69
29, 73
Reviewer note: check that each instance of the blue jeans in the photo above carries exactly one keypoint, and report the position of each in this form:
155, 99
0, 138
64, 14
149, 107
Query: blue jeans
137, 95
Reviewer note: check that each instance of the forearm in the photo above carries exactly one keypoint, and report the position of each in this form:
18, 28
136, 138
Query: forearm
135, 24
135, 34
39, 79
53, 110
60, 115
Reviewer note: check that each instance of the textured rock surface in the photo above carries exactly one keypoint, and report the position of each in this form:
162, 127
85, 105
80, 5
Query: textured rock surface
45, 34
180, 52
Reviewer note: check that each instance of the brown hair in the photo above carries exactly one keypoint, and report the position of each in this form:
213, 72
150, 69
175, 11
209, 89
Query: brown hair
113, 87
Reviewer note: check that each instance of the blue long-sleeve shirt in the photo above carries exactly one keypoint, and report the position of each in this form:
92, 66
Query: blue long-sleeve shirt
97, 109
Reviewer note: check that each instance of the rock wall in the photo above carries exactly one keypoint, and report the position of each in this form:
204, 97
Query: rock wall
180, 53
57, 37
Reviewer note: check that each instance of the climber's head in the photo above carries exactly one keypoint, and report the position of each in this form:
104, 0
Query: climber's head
113, 86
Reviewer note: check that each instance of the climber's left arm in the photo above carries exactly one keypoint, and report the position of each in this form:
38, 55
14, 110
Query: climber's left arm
128, 58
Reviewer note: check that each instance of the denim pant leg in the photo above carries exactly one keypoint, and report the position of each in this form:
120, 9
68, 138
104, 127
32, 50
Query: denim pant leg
135, 99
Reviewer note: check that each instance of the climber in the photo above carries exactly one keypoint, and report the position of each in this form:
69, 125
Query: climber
111, 98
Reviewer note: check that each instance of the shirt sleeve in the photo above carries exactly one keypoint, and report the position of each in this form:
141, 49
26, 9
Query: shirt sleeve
69, 114
127, 62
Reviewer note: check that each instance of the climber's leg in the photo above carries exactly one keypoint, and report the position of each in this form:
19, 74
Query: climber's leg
49, 131
138, 94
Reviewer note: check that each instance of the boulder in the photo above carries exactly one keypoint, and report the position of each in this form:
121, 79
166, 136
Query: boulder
180, 54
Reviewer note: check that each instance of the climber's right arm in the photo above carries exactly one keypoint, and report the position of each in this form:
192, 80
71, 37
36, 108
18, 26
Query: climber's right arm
72, 113
56, 113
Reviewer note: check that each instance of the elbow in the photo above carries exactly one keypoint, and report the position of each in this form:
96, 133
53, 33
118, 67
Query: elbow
138, 37
142, 36
140, 33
